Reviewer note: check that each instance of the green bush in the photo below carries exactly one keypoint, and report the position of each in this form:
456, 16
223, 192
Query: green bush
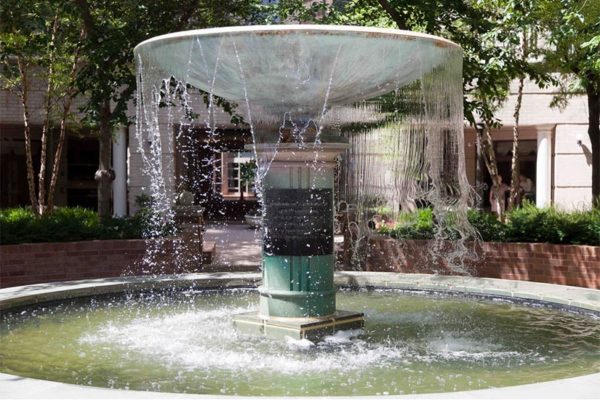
417, 225
488, 226
531, 224
124, 228
20, 225
15, 225
585, 228
524, 224
151, 222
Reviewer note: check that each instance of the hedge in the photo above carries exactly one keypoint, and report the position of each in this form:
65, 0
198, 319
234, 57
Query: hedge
524, 224
20, 225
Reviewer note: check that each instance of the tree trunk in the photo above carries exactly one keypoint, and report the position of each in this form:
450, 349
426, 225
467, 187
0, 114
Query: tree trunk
515, 187
492, 166
46, 126
394, 14
513, 199
593, 97
480, 167
24, 94
104, 175
44, 145
63, 128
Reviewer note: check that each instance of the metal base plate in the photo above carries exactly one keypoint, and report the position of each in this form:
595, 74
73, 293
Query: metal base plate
311, 328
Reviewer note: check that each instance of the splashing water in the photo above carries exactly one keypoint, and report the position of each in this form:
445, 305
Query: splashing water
394, 97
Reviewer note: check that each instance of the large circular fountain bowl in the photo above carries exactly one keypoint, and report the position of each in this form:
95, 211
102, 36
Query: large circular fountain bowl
423, 334
291, 67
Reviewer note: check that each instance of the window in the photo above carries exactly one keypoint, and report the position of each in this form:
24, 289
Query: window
237, 170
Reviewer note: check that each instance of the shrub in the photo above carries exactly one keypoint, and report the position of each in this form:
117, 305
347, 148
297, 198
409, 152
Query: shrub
15, 225
123, 228
20, 225
585, 228
488, 226
548, 225
417, 225
150, 222
525, 224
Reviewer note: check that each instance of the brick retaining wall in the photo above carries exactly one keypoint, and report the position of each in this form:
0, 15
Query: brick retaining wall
25, 264
537, 262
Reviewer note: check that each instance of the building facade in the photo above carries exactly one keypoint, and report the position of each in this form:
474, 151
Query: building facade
555, 153
75, 185
555, 149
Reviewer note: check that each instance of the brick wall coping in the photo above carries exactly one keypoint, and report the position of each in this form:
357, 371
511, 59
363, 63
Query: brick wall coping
587, 386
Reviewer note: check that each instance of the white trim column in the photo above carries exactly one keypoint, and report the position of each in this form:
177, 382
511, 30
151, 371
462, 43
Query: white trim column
119, 160
543, 175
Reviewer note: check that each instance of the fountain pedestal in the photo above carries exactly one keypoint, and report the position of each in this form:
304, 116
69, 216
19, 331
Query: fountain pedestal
297, 297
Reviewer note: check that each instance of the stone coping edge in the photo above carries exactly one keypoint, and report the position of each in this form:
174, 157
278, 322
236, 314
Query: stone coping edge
583, 387
302, 28
19, 296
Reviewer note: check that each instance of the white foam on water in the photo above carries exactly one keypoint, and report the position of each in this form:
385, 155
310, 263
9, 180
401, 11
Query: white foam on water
298, 344
452, 347
207, 340
343, 336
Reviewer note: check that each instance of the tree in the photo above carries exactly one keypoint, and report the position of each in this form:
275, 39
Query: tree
41, 41
485, 32
107, 79
573, 28
516, 19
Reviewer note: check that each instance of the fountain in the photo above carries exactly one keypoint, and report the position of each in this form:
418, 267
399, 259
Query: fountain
357, 123
299, 85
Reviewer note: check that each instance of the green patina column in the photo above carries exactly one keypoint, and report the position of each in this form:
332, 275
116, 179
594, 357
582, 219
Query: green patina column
298, 259
297, 297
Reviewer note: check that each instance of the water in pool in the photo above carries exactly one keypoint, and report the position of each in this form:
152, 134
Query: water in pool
185, 342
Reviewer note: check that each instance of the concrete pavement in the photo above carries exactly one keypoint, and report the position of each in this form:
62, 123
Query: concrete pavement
238, 247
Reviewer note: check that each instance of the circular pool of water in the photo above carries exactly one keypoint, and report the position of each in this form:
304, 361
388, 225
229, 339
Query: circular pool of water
184, 341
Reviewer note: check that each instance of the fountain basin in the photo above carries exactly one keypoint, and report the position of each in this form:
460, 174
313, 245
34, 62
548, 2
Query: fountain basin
280, 67
584, 300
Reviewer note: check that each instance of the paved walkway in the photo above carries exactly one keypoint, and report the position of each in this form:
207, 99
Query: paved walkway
238, 245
